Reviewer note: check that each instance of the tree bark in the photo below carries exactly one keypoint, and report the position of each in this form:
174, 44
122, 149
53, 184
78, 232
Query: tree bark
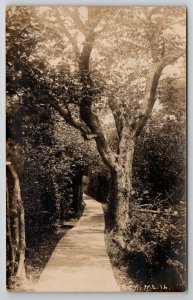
118, 202
19, 228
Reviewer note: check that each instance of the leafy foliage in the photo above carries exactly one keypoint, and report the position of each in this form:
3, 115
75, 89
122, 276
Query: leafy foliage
156, 245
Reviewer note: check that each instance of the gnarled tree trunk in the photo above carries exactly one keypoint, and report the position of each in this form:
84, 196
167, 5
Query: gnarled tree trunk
118, 203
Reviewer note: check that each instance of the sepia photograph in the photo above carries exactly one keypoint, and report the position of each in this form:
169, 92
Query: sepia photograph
96, 149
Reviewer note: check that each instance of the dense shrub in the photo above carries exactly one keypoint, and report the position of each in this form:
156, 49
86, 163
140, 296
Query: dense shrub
157, 230
51, 158
158, 241
159, 162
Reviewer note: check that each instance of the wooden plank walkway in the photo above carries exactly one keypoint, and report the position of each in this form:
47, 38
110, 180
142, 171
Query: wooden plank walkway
79, 262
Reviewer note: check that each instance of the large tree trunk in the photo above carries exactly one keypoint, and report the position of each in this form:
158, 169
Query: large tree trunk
118, 202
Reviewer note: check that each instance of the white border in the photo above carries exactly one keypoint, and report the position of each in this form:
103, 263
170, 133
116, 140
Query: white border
4, 295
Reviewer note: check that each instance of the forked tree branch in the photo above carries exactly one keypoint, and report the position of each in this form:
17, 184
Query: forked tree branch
87, 115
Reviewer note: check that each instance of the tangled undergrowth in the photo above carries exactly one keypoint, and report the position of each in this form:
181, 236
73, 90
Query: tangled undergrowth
154, 258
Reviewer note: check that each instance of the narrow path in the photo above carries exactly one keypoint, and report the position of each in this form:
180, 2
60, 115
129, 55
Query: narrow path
79, 262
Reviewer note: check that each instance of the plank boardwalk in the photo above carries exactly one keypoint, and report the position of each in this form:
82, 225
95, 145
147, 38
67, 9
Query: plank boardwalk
79, 262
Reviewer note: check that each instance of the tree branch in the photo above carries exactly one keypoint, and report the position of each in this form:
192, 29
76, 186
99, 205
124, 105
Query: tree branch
93, 20
74, 15
149, 98
65, 113
93, 123
117, 114
152, 34
63, 110
85, 131
151, 88
86, 113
